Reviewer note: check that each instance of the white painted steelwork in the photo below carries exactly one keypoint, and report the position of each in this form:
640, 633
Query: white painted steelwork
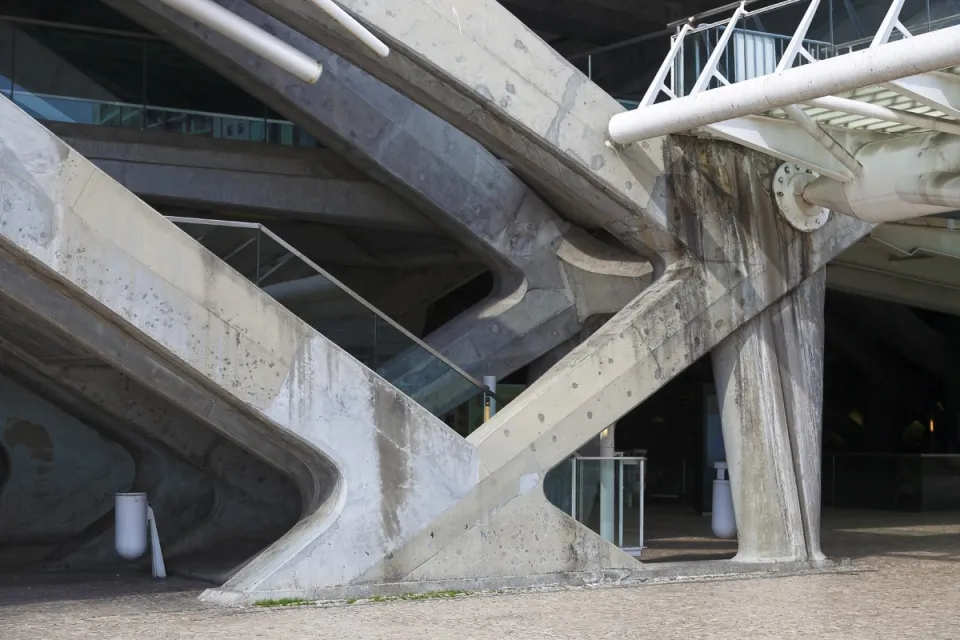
356, 29
877, 151
265, 45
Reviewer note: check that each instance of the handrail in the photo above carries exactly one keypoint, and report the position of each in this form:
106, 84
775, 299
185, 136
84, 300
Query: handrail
357, 297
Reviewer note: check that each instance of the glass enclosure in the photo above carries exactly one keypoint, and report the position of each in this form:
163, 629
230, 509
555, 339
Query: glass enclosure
81, 76
605, 495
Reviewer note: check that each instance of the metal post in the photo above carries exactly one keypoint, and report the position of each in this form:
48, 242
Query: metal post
489, 402
620, 507
643, 490
573, 488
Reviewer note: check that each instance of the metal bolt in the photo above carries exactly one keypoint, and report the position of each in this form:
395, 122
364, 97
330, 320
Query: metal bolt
779, 194
780, 179
786, 169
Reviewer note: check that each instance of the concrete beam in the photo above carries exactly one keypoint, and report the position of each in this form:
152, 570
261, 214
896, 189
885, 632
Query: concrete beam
255, 178
748, 259
482, 70
551, 276
769, 377
893, 287
148, 301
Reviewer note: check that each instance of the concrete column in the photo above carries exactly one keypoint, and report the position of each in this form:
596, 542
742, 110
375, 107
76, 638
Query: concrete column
769, 377
607, 481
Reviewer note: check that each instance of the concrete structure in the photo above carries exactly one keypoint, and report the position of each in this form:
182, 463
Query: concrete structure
263, 380
550, 275
391, 500
268, 180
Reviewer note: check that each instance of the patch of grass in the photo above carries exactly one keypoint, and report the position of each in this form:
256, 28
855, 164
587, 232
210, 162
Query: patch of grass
430, 595
282, 602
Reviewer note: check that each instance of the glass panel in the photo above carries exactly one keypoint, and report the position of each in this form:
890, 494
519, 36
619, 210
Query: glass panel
335, 312
605, 495
6, 58
74, 76
941, 482
176, 81
874, 481
67, 75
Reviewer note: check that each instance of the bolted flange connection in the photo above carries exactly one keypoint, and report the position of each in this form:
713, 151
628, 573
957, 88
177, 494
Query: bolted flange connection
788, 184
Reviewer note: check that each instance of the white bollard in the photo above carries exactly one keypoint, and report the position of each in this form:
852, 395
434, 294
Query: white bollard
723, 522
134, 522
131, 525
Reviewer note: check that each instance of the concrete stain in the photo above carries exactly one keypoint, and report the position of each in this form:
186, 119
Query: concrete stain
393, 437
34, 438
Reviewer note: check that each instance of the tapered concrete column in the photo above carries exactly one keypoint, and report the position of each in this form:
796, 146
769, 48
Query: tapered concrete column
769, 376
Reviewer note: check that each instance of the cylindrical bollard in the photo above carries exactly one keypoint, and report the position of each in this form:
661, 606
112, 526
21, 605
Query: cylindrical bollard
723, 522
131, 525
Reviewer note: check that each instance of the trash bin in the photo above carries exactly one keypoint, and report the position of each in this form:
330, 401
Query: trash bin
723, 522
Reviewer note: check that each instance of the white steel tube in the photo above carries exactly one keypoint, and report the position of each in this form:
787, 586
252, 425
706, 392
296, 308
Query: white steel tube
879, 112
356, 29
904, 58
257, 40
903, 177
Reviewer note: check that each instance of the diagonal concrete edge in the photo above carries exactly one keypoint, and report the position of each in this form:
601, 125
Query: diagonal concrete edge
748, 259
551, 276
371, 465
481, 69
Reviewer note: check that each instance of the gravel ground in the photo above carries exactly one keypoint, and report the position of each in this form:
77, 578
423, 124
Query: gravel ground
907, 586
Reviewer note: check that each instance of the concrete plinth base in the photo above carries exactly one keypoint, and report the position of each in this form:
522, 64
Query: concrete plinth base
646, 575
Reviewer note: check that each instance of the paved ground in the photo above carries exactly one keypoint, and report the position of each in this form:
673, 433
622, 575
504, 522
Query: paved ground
908, 587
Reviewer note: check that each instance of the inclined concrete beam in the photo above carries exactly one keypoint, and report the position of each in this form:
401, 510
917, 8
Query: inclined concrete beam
892, 287
551, 276
152, 303
259, 179
748, 258
485, 72
769, 377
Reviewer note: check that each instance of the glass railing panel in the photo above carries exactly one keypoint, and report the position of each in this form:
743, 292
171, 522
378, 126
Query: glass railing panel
873, 481
65, 75
941, 481
336, 312
606, 495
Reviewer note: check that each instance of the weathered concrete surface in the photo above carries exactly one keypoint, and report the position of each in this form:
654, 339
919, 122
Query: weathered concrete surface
479, 68
551, 276
209, 495
305, 184
747, 258
63, 474
769, 376
372, 467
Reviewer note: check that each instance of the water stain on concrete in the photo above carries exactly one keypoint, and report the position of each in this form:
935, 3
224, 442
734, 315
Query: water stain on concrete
31, 436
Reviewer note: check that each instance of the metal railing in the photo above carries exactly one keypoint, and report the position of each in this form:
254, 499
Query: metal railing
125, 115
334, 310
619, 483
72, 92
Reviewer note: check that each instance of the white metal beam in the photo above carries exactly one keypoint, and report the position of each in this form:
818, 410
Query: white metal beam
940, 91
904, 177
785, 140
893, 61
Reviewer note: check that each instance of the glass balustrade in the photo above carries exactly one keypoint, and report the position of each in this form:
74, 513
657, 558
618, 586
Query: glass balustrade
338, 313
131, 82
604, 494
